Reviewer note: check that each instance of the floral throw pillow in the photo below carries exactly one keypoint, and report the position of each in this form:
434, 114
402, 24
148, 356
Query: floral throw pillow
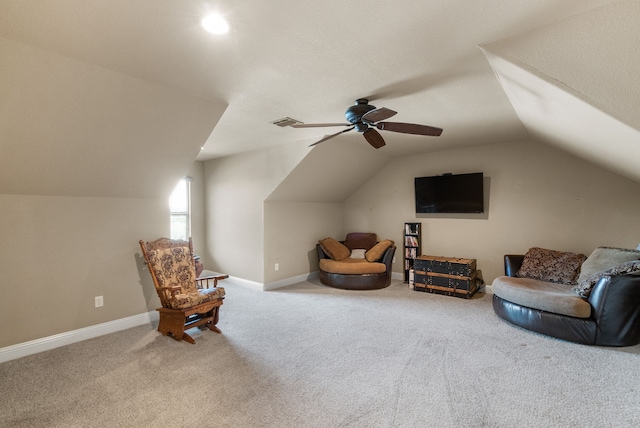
583, 289
551, 266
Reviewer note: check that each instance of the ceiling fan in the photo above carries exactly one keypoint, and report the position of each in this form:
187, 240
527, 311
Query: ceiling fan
365, 118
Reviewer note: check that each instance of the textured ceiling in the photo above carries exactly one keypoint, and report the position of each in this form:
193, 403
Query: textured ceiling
571, 84
305, 60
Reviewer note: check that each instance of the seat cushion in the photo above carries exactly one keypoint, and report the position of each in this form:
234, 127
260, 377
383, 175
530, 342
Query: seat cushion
352, 266
187, 300
541, 295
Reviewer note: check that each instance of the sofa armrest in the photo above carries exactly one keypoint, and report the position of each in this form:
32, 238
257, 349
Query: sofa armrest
321, 253
387, 258
615, 302
512, 263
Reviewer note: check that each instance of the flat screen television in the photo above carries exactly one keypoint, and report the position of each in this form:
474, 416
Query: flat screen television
450, 193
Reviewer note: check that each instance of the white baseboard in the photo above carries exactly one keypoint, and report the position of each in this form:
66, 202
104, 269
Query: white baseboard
289, 281
241, 281
51, 342
258, 286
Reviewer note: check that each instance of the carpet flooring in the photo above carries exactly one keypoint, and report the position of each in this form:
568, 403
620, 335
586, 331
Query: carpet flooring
311, 356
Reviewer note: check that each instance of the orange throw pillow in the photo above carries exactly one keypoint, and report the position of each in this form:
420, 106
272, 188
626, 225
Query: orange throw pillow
378, 250
334, 249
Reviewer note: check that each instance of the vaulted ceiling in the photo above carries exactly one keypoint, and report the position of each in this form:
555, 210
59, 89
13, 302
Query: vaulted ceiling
94, 93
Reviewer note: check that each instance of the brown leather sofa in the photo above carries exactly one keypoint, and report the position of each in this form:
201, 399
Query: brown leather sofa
614, 318
351, 274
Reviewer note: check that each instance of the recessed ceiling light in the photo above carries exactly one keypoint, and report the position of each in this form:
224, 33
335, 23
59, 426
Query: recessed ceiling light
215, 24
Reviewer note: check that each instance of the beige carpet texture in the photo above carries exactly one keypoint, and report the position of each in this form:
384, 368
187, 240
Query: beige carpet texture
311, 356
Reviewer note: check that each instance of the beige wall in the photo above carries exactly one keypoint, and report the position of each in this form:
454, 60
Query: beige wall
81, 247
90, 157
70, 128
236, 187
291, 230
58, 253
234, 216
198, 218
537, 196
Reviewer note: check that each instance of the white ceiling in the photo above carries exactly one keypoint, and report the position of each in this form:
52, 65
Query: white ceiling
572, 84
305, 60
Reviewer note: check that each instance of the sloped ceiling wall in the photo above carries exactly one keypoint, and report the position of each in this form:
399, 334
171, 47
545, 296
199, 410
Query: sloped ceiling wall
68, 128
331, 172
571, 84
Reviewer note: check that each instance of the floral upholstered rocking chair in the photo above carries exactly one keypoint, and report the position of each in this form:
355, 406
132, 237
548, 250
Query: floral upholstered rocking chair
187, 301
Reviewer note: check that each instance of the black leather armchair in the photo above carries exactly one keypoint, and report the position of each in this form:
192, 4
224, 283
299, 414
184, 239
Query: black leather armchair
614, 320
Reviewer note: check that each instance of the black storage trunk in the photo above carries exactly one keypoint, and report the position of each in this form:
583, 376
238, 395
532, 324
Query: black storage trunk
446, 275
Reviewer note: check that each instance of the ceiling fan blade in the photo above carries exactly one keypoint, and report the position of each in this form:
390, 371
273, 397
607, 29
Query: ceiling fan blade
409, 128
375, 115
327, 137
318, 125
374, 138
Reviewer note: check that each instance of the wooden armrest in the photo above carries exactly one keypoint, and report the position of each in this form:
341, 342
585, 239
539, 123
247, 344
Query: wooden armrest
203, 281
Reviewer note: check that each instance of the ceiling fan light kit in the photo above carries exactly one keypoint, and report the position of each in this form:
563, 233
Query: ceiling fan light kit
364, 118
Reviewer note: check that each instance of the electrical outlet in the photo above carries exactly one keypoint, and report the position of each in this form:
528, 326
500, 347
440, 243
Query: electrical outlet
277, 266
99, 301
394, 259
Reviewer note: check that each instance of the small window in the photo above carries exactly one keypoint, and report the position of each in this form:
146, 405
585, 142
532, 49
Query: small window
180, 208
